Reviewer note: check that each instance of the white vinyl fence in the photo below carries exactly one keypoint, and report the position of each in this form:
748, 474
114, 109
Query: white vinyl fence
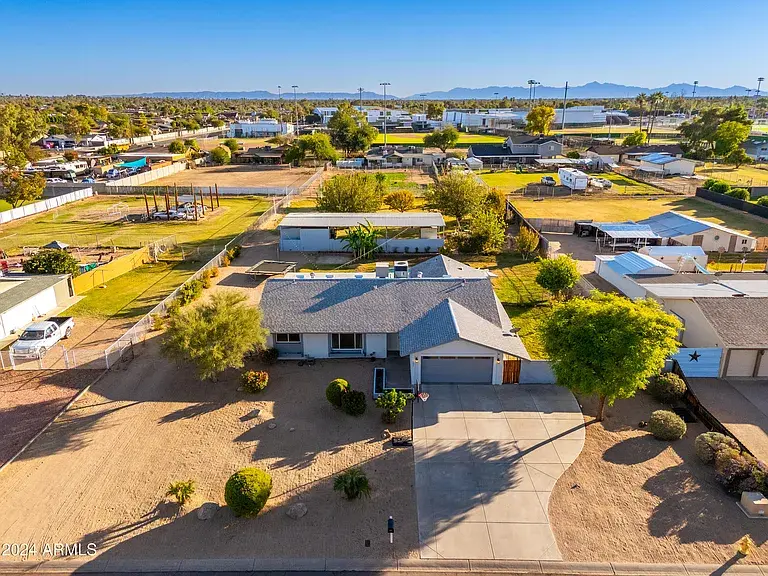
44, 205
149, 176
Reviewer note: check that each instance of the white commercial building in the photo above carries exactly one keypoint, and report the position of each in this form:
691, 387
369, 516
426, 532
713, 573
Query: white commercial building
260, 128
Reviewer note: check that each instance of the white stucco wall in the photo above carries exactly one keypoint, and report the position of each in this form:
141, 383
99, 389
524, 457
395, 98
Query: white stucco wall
376, 344
715, 239
316, 345
536, 372
698, 332
741, 363
458, 348
22, 314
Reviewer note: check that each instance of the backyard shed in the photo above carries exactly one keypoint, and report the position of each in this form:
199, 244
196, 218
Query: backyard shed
680, 229
24, 299
681, 258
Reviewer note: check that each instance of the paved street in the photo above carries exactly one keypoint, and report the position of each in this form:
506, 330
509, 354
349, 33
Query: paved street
487, 458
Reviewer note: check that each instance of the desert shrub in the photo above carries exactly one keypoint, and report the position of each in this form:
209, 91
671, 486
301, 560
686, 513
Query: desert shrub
205, 279
734, 470
353, 402
666, 387
254, 380
189, 292
720, 187
181, 491
708, 183
235, 251
158, 322
247, 491
762, 201
393, 403
353, 482
269, 355
335, 390
214, 272
666, 425
225, 260
709, 444
173, 307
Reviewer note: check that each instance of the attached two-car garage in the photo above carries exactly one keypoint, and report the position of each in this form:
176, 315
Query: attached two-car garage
457, 369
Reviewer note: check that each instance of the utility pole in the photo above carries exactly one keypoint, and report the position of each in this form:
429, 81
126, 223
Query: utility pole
757, 95
423, 103
280, 103
693, 98
530, 92
296, 106
565, 97
361, 98
384, 85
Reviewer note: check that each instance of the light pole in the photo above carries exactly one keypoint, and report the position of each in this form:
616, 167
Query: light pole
530, 92
757, 95
565, 97
296, 108
534, 90
495, 96
423, 104
695, 84
280, 103
384, 85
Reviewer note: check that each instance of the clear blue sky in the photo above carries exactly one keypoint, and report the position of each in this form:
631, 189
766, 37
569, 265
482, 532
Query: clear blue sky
110, 47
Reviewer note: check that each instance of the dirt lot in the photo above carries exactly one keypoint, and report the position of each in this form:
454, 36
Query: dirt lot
644, 500
239, 176
99, 474
28, 401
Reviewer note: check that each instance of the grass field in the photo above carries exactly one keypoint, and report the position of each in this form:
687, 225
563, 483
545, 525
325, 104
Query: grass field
622, 129
512, 181
748, 175
417, 138
86, 223
618, 209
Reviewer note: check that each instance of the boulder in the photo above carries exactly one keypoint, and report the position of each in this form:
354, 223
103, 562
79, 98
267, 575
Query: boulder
271, 425
207, 511
296, 511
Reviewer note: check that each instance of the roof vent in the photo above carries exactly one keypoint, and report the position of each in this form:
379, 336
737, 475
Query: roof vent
401, 269
382, 269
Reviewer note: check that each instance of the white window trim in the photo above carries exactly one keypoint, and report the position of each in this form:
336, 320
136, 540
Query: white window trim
286, 338
360, 349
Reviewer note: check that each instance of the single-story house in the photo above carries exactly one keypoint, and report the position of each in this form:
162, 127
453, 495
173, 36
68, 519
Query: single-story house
756, 147
517, 150
662, 164
323, 232
680, 229
265, 155
405, 156
681, 258
604, 154
259, 128
451, 330
24, 298
630, 155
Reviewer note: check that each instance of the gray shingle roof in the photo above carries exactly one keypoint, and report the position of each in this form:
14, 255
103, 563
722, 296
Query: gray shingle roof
25, 287
740, 322
441, 266
343, 220
487, 150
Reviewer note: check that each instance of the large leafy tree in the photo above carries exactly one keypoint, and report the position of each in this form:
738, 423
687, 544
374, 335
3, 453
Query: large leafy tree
729, 135
487, 231
608, 345
637, 138
456, 195
401, 200
51, 262
435, 110
737, 157
216, 334
558, 275
356, 192
316, 145
19, 126
349, 130
540, 119
446, 138
701, 133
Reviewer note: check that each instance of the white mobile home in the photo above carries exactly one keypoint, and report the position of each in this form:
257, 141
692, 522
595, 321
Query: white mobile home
23, 299
573, 179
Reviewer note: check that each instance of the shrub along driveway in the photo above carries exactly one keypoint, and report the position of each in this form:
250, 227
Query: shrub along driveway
487, 458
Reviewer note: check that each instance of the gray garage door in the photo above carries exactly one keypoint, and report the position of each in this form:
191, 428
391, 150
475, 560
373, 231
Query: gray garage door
456, 369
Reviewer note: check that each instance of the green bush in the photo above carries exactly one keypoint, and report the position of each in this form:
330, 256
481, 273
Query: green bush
173, 308
181, 491
708, 183
666, 425
254, 380
158, 322
226, 260
762, 201
235, 251
189, 292
738, 471
740, 193
721, 187
269, 355
335, 390
393, 403
709, 444
353, 402
666, 387
220, 155
353, 482
247, 491
205, 279
214, 272
51, 262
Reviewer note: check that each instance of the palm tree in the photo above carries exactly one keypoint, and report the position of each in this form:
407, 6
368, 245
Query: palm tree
641, 100
655, 99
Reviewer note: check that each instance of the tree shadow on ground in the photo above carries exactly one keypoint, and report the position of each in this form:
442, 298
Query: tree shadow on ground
634, 450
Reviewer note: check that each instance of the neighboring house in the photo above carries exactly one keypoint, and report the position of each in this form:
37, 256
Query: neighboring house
58, 141
325, 113
756, 148
727, 313
451, 329
681, 258
259, 128
680, 229
320, 232
265, 155
374, 116
23, 299
401, 156
517, 150
663, 164
604, 154
630, 155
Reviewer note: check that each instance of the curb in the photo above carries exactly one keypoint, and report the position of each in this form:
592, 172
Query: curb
405, 565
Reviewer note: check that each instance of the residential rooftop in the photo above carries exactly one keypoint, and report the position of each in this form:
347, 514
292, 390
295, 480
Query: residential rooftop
378, 219
17, 288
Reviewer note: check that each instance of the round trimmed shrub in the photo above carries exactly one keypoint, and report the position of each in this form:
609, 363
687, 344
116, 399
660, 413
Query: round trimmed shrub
254, 381
666, 387
336, 390
269, 355
353, 403
762, 201
247, 491
666, 425
709, 444
720, 187
740, 193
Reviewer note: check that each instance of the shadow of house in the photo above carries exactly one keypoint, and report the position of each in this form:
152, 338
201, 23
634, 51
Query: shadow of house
635, 450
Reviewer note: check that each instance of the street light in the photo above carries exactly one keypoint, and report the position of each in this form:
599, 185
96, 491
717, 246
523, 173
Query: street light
695, 84
534, 89
530, 89
361, 97
296, 108
759, 81
384, 85
423, 104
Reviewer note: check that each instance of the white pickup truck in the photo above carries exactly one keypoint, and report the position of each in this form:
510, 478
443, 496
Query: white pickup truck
40, 337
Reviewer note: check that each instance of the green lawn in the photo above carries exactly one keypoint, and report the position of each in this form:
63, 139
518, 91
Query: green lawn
621, 129
86, 224
620, 209
510, 181
745, 175
417, 138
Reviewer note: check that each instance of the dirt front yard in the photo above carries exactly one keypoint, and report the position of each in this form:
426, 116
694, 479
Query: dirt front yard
631, 498
239, 176
99, 474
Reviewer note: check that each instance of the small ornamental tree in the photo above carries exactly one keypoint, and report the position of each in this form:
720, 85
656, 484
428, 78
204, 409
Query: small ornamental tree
496, 200
446, 138
558, 275
356, 192
455, 194
486, 232
232, 144
526, 242
335, 390
220, 155
637, 138
393, 403
574, 154
737, 157
18, 187
540, 119
401, 200
608, 345
51, 262
177, 147
216, 334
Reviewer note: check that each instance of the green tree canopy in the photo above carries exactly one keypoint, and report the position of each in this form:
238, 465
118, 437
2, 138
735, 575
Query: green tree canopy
177, 147
355, 192
232, 144
729, 135
215, 334
637, 138
51, 262
487, 231
540, 119
608, 345
221, 155
362, 240
446, 138
526, 242
700, 134
401, 200
558, 275
19, 188
317, 145
435, 110
349, 131
456, 195
737, 157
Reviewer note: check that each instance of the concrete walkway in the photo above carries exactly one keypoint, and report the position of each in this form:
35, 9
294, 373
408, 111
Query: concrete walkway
487, 458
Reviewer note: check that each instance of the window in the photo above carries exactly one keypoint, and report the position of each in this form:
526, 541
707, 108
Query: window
346, 341
287, 338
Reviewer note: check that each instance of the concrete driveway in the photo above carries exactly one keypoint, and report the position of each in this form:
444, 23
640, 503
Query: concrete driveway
486, 460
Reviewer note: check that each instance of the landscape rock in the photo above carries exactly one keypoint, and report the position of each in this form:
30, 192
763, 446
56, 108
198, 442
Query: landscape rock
292, 429
386, 435
271, 425
207, 511
296, 511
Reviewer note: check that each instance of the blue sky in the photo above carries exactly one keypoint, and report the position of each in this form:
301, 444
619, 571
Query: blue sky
111, 47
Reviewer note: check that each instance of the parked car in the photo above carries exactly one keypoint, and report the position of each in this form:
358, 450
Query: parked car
600, 182
55, 181
89, 180
548, 181
40, 337
170, 215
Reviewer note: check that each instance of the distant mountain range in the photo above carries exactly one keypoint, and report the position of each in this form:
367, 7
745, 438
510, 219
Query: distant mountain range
590, 90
